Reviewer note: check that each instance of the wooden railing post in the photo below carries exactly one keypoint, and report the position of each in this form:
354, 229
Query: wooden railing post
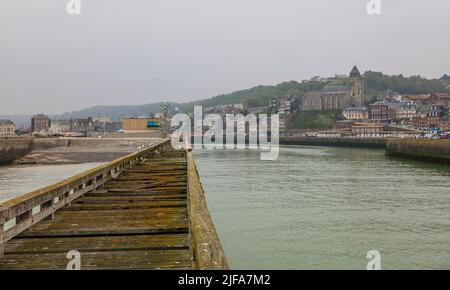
46, 205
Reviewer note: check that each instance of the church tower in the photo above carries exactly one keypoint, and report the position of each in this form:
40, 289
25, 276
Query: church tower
356, 88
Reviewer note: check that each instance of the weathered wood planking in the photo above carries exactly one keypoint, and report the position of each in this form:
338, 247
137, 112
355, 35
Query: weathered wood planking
138, 221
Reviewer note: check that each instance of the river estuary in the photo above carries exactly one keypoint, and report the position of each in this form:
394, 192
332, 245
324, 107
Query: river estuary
325, 208
20, 179
312, 208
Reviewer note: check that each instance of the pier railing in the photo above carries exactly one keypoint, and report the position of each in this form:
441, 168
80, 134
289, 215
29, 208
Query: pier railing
20, 213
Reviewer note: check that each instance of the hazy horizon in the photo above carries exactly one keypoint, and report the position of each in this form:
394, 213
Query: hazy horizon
122, 53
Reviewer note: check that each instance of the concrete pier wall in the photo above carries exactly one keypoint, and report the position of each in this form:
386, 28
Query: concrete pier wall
344, 142
437, 151
208, 251
14, 148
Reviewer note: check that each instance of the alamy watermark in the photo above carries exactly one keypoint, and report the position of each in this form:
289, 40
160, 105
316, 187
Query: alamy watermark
74, 7
254, 129
375, 260
374, 7
74, 260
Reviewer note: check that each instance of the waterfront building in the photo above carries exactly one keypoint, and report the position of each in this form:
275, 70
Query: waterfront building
82, 125
140, 124
356, 113
7, 128
428, 117
40, 123
102, 120
59, 127
337, 97
379, 111
406, 110
344, 124
366, 129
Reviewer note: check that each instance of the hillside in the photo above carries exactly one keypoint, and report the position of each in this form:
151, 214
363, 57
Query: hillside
376, 84
446, 80
314, 119
257, 96
114, 112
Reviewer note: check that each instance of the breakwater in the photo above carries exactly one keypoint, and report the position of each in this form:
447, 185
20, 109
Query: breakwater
437, 151
14, 148
337, 142
27, 150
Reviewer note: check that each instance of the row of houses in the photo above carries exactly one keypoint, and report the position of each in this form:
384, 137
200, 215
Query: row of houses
43, 125
423, 112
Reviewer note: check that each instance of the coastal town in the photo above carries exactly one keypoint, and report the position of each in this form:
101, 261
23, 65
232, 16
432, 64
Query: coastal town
391, 116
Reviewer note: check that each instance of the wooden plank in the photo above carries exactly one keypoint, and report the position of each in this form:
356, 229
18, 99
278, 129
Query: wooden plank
150, 259
109, 222
91, 244
130, 199
125, 205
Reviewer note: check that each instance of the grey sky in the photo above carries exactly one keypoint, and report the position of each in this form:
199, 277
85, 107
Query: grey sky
142, 51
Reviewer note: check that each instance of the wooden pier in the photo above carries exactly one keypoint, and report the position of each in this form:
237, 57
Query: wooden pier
144, 211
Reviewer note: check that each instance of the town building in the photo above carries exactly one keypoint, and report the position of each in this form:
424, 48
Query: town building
7, 128
337, 97
379, 111
343, 124
284, 105
356, 113
40, 123
418, 99
85, 125
406, 111
59, 127
428, 117
442, 99
102, 120
366, 129
140, 124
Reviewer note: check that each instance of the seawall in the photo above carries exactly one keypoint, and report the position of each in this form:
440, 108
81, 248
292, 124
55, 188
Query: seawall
343, 142
14, 148
437, 151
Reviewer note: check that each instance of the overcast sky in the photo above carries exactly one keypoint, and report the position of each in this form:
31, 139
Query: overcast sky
143, 51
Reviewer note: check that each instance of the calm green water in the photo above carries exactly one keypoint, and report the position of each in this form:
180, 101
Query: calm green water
325, 208
19, 179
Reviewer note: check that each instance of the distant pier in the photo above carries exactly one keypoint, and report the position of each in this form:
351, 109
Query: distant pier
437, 151
335, 141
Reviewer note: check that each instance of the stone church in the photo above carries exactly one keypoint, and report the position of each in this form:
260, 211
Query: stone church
337, 97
